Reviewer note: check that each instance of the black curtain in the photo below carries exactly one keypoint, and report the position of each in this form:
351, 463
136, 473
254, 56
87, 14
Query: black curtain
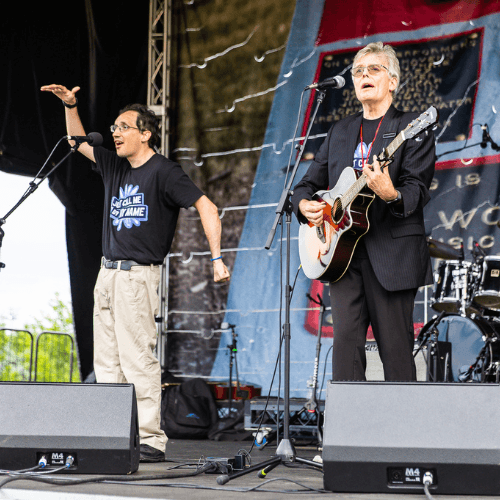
103, 50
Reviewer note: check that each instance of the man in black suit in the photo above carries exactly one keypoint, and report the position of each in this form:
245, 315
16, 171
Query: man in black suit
391, 260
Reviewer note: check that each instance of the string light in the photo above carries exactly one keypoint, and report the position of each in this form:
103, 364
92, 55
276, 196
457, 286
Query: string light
437, 63
251, 96
234, 311
448, 121
220, 54
267, 52
273, 146
464, 215
296, 63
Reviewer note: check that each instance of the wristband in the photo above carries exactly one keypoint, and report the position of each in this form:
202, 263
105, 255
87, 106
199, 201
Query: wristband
216, 258
71, 105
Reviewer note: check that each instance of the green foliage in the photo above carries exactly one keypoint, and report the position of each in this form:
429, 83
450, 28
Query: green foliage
51, 347
15, 355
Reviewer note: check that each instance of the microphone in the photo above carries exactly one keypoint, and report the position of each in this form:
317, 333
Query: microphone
337, 82
487, 138
478, 249
222, 479
93, 138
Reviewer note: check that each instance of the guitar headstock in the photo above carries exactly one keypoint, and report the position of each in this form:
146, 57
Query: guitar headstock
425, 120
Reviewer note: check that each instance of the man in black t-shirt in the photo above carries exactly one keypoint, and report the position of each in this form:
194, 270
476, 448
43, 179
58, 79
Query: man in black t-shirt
391, 260
144, 192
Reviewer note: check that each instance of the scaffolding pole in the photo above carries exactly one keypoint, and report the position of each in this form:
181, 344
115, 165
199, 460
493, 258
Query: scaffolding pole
159, 59
158, 100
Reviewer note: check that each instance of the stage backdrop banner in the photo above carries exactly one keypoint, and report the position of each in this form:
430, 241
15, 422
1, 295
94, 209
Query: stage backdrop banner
449, 59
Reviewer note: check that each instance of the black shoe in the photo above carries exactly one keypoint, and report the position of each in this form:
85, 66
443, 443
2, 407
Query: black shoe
150, 454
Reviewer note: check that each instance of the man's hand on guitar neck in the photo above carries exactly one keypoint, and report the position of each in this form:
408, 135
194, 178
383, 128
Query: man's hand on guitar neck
379, 181
312, 211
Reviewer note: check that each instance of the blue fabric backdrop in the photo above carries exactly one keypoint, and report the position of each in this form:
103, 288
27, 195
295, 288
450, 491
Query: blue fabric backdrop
465, 196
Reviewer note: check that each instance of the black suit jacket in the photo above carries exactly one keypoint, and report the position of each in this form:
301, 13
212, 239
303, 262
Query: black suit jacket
395, 242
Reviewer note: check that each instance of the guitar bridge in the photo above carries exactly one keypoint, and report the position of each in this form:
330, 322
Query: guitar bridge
320, 232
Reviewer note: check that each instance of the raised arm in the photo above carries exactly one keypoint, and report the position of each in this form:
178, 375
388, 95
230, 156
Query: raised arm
213, 229
74, 125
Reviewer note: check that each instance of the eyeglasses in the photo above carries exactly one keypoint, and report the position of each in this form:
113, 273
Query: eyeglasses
121, 128
373, 69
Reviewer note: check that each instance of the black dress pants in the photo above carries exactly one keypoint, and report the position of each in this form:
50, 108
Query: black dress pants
358, 300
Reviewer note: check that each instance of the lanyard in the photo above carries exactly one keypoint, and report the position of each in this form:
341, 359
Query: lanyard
371, 145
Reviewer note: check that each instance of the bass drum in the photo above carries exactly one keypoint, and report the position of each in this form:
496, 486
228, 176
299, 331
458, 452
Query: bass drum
466, 338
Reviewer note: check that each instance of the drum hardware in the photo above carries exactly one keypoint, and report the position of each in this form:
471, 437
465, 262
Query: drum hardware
462, 348
463, 341
465, 287
425, 332
487, 292
484, 369
437, 351
438, 355
454, 284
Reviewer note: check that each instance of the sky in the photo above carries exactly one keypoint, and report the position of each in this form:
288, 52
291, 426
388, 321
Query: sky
33, 251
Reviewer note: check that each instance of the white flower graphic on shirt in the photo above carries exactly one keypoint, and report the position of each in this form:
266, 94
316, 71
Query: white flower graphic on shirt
129, 209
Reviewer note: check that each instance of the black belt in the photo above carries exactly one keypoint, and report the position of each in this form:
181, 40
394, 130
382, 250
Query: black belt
124, 265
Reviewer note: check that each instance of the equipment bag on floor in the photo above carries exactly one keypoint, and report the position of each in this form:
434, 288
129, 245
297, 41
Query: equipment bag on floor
188, 410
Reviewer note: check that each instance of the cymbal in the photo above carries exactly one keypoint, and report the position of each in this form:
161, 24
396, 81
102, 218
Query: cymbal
441, 250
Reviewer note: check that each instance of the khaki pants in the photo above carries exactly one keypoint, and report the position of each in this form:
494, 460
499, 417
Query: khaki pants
125, 306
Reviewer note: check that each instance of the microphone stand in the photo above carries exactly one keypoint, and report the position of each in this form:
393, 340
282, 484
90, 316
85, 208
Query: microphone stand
285, 452
232, 359
311, 407
33, 186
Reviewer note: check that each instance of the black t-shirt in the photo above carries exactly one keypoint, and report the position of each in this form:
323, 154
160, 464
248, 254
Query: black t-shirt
369, 130
141, 205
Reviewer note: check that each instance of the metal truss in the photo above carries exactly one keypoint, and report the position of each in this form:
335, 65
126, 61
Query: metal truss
159, 60
158, 100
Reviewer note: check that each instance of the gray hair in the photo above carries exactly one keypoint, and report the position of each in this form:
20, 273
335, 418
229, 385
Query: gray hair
388, 52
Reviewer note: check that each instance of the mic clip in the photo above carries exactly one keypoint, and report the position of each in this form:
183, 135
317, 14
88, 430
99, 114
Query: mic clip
487, 138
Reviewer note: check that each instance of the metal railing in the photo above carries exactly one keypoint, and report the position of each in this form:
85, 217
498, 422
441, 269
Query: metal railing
48, 356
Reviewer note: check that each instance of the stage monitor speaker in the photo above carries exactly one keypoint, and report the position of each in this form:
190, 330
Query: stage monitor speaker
385, 437
92, 426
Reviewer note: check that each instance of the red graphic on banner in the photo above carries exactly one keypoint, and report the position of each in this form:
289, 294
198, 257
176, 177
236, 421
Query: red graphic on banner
311, 323
348, 20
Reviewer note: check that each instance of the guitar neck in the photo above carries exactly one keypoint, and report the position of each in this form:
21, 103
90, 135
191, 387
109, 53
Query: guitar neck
360, 183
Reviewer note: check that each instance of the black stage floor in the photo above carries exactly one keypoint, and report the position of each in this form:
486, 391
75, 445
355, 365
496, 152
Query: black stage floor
281, 483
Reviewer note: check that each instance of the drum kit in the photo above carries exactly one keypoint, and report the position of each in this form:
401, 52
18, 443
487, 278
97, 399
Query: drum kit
463, 340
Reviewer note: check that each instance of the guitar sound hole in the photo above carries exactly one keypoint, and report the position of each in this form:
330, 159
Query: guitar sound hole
337, 211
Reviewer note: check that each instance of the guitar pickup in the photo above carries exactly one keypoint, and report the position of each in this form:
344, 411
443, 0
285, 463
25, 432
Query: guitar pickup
320, 232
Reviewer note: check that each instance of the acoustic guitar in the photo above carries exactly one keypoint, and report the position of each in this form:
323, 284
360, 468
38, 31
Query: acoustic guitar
326, 250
